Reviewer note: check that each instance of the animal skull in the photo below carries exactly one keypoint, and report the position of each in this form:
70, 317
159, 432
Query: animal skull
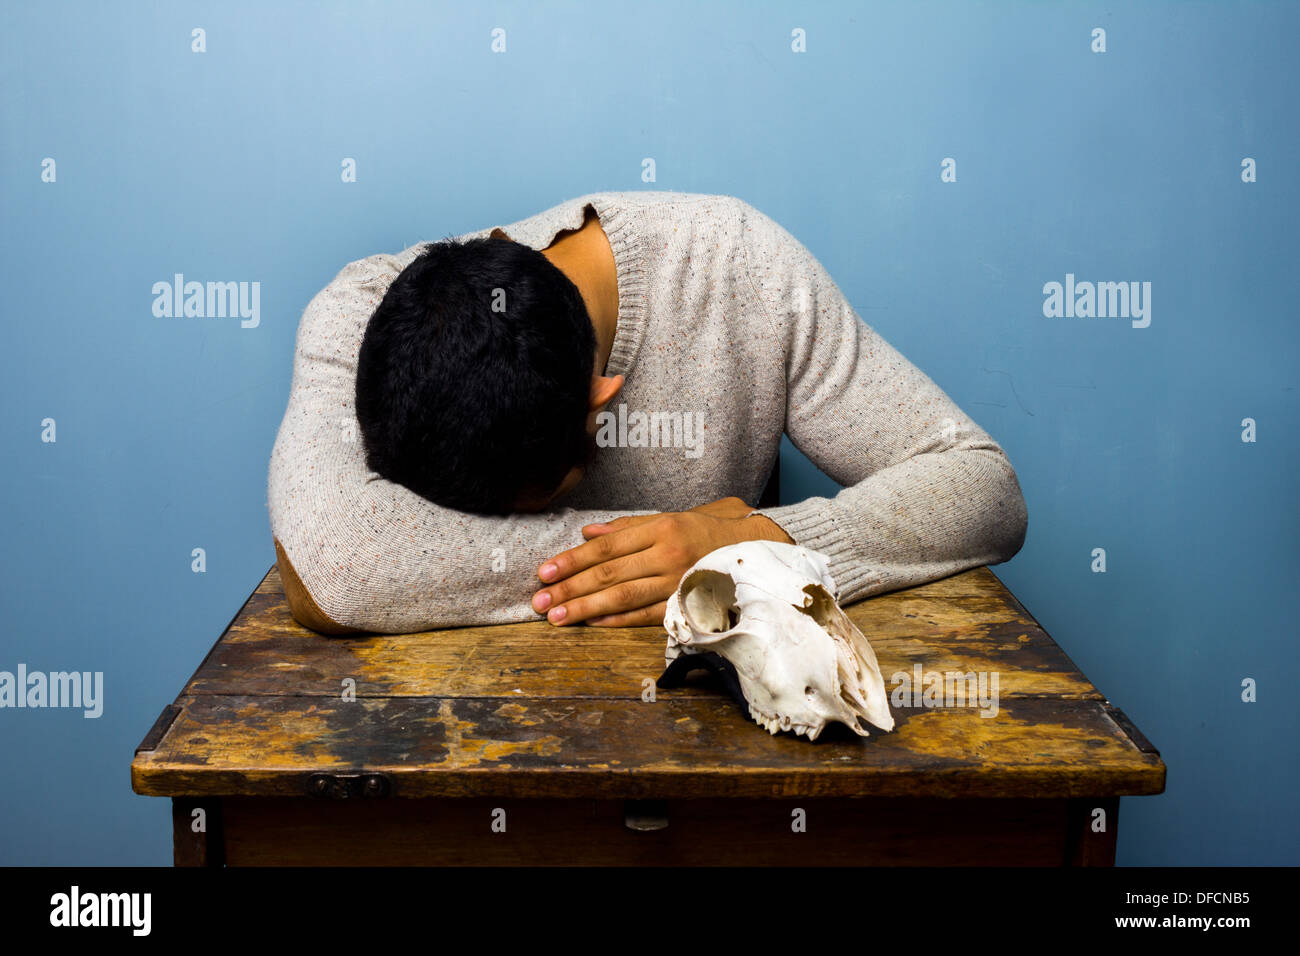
769, 608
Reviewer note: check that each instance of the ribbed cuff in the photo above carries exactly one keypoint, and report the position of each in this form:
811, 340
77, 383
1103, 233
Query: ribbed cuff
816, 525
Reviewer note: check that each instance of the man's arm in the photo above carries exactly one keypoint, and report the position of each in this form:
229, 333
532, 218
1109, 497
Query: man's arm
369, 554
927, 492
302, 605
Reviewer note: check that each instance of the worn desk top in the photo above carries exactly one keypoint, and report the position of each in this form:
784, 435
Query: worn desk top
531, 710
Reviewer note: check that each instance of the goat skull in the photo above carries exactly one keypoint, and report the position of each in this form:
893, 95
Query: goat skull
770, 609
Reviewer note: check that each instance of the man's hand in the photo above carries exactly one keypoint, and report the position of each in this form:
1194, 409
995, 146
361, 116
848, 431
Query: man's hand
629, 567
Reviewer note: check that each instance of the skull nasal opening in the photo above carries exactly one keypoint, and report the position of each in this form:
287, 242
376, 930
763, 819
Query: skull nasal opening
709, 602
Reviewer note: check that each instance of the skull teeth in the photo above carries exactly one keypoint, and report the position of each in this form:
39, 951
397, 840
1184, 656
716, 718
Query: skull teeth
773, 723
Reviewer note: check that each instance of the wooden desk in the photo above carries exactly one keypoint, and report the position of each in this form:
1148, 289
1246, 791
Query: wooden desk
453, 734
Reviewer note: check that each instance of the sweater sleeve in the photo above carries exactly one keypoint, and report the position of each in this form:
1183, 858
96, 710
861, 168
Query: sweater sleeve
371, 553
927, 492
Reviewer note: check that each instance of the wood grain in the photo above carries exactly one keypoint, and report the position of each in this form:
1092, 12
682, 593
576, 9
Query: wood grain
530, 711
968, 622
689, 746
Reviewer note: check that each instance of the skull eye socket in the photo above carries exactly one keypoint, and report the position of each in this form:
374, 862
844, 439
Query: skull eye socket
709, 602
820, 606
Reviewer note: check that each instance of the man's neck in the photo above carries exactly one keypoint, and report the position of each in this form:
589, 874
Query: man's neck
585, 257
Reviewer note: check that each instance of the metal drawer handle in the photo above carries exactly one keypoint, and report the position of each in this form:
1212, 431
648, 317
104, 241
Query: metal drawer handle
348, 786
645, 816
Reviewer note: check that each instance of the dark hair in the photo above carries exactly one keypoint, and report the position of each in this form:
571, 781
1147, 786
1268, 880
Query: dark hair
474, 376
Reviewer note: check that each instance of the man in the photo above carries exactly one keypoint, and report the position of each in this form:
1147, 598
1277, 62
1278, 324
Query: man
577, 468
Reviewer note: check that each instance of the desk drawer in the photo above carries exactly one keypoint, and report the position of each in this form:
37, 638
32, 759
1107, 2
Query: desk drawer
793, 832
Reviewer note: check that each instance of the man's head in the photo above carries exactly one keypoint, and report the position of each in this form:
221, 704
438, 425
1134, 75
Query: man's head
475, 378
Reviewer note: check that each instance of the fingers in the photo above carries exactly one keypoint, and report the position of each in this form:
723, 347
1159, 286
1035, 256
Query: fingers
642, 617
621, 570
627, 598
618, 524
602, 548
604, 576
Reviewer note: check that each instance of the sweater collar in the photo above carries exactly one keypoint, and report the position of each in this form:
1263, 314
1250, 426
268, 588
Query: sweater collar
625, 242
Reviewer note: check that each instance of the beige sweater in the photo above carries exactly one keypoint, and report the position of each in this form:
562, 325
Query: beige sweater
724, 317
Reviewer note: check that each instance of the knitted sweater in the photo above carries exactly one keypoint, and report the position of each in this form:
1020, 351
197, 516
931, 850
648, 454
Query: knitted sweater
725, 322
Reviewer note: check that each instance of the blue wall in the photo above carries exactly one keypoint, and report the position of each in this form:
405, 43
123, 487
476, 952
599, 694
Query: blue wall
1122, 165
